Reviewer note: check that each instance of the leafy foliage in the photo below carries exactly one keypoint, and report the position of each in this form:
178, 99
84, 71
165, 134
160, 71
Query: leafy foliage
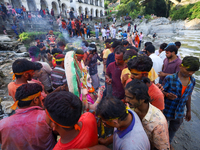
190, 12
157, 7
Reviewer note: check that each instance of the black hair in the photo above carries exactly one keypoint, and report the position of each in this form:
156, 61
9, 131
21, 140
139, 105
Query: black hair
86, 43
140, 63
178, 43
139, 90
192, 63
21, 65
125, 42
36, 39
93, 46
120, 49
64, 107
60, 56
114, 39
132, 47
60, 44
38, 66
163, 46
108, 41
56, 50
147, 43
150, 48
111, 108
116, 43
26, 90
129, 54
172, 48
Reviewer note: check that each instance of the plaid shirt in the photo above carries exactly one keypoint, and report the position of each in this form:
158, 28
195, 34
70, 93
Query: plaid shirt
172, 84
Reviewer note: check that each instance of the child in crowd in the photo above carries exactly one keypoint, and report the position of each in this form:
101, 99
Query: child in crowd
107, 33
103, 31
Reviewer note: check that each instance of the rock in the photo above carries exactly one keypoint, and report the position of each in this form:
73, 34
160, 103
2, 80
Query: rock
18, 51
192, 24
23, 49
6, 106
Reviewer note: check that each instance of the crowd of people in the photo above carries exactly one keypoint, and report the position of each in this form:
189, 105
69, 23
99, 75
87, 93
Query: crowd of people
141, 105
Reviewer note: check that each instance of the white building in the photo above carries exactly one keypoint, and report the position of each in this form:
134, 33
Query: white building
90, 7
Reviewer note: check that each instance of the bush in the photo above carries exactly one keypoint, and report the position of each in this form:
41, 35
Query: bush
28, 37
93, 33
190, 12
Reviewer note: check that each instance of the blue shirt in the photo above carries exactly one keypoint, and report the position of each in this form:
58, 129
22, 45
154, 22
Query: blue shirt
125, 35
110, 59
172, 84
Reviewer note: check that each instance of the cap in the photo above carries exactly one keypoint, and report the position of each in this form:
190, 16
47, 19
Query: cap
170, 44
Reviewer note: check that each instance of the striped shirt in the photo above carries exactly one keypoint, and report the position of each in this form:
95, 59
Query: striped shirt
58, 77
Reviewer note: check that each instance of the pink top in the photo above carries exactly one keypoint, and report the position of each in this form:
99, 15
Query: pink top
26, 129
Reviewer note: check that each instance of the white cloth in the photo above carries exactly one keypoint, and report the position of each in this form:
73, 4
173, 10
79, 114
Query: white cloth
157, 64
103, 31
157, 52
162, 55
134, 137
45, 76
114, 32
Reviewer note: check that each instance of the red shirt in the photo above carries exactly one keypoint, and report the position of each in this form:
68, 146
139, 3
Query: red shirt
26, 130
73, 24
87, 136
156, 96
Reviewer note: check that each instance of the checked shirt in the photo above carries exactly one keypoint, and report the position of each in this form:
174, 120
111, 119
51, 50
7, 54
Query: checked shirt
172, 84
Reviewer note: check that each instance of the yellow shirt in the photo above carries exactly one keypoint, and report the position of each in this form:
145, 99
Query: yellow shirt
152, 74
106, 52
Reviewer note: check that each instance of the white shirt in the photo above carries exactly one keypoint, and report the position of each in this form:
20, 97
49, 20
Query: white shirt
157, 52
132, 138
103, 31
157, 64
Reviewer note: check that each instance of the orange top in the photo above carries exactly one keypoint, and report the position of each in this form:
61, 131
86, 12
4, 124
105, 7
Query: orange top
12, 87
85, 31
87, 136
183, 89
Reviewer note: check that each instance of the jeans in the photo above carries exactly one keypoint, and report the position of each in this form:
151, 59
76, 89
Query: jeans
97, 35
174, 125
